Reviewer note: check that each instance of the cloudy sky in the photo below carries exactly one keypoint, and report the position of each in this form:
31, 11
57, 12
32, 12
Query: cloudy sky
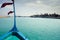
30, 7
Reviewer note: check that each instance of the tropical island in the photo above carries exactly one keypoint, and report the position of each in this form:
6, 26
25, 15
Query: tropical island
46, 15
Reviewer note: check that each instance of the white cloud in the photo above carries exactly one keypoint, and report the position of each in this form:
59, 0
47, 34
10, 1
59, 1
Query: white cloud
30, 7
51, 2
35, 4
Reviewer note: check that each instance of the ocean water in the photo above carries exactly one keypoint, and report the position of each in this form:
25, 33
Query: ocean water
33, 28
11, 38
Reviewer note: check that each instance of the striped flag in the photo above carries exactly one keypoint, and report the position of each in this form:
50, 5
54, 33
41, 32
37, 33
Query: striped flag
10, 12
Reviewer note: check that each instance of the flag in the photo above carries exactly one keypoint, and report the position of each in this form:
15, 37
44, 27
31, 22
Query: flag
13, 0
5, 4
10, 12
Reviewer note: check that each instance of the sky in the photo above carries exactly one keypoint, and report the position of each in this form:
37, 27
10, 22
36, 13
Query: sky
31, 7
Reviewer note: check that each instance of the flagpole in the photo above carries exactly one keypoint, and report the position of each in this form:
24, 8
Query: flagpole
14, 29
14, 14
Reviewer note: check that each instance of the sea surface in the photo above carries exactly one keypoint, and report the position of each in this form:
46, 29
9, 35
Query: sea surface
33, 28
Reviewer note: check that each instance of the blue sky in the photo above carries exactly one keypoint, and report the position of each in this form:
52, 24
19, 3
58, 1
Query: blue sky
30, 7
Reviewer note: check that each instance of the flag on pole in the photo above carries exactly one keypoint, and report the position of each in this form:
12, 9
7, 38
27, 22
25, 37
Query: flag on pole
5, 4
10, 12
13, 0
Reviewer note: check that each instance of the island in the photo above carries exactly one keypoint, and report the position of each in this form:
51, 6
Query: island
46, 15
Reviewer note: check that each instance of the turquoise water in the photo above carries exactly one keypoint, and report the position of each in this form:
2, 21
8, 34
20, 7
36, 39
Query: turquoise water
33, 28
11, 38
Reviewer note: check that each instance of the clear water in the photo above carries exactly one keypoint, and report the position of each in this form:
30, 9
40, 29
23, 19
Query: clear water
33, 28
11, 38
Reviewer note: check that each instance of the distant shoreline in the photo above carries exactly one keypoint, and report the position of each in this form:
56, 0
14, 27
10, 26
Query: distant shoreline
3, 16
31, 17
56, 16
45, 17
